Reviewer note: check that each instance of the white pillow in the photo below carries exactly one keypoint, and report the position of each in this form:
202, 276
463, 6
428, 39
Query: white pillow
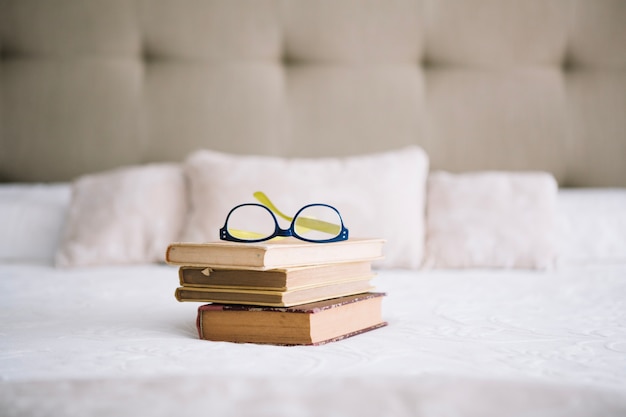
31, 220
592, 225
491, 219
379, 195
127, 215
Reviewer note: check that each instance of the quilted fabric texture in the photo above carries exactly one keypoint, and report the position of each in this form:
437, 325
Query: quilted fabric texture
478, 84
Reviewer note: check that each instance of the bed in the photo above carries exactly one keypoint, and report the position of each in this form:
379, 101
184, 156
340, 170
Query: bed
472, 343
485, 141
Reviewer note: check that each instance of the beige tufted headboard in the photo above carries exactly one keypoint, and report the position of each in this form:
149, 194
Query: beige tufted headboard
86, 85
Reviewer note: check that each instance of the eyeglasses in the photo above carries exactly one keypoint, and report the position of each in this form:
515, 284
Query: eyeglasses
253, 222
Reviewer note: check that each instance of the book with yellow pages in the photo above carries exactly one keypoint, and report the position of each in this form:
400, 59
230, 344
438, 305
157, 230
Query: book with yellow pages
297, 296
282, 279
282, 253
308, 324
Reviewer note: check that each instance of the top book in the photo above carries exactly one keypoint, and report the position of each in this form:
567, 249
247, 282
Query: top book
282, 253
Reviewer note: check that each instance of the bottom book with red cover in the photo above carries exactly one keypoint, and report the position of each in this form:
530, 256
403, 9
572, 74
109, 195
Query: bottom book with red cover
306, 324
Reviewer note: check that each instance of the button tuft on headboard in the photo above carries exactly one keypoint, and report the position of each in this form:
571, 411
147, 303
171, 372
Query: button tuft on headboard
149, 55
568, 63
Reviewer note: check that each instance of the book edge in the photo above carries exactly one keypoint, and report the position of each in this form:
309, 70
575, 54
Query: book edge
318, 343
348, 335
306, 308
239, 289
266, 248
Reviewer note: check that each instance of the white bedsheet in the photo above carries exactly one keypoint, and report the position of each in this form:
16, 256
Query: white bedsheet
114, 341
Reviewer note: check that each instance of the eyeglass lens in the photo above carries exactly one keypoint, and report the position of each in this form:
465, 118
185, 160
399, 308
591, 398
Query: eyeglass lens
251, 222
317, 222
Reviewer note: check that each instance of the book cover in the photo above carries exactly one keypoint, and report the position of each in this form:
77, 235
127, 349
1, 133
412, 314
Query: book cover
277, 254
309, 324
282, 279
302, 295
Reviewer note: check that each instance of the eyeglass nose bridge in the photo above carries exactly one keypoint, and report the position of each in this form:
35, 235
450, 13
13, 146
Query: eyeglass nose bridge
283, 232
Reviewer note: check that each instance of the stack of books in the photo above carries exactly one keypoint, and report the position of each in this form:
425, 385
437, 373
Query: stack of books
285, 292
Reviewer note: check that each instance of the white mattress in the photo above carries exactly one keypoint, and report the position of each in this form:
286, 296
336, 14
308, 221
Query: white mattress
114, 340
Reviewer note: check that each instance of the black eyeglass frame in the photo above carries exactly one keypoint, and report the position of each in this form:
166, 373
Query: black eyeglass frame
278, 232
